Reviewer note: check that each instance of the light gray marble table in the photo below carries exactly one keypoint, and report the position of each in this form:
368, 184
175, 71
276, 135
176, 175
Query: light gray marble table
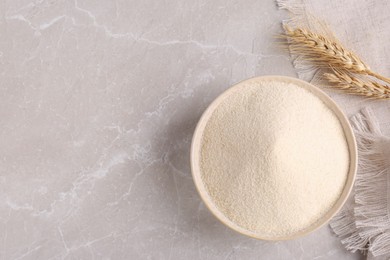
98, 103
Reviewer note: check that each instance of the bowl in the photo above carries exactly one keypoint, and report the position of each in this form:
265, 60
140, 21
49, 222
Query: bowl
196, 149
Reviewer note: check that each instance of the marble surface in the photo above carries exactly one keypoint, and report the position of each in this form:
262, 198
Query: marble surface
98, 103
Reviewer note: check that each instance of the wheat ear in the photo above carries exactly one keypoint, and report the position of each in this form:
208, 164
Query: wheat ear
357, 86
325, 53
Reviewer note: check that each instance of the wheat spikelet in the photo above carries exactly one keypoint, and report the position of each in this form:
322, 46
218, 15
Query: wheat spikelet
328, 54
357, 86
325, 53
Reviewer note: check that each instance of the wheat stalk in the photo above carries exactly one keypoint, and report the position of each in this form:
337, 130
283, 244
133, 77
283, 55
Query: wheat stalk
325, 53
355, 85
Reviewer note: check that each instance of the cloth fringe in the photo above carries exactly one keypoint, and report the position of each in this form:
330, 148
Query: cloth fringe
301, 18
343, 224
366, 227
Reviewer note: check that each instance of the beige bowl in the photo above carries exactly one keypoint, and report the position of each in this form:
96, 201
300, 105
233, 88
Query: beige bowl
196, 147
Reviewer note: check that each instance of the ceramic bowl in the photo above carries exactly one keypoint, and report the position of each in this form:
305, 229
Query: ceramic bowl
196, 148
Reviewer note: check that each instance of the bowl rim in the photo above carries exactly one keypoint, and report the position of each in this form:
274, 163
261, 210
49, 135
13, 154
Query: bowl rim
195, 155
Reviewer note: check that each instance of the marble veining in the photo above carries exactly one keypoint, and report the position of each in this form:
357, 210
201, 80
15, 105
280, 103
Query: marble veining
99, 100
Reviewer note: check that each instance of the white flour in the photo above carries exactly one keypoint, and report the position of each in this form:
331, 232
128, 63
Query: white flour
274, 158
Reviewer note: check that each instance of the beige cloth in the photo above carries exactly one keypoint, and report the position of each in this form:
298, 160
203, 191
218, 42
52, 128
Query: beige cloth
363, 224
364, 27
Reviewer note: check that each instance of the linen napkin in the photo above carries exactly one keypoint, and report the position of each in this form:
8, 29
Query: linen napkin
364, 223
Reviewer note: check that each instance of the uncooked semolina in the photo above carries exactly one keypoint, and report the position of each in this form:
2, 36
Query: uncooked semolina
274, 158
